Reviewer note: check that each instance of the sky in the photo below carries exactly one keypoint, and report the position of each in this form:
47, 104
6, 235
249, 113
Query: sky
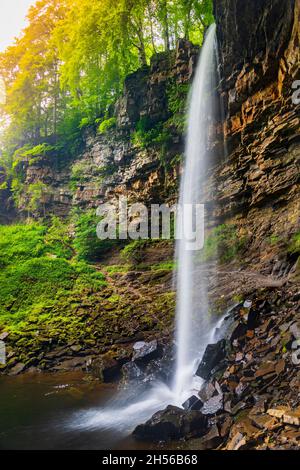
12, 19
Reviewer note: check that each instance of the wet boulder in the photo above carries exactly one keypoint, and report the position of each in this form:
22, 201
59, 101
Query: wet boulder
171, 424
213, 355
207, 391
17, 369
238, 330
211, 440
192, 403
131, 371
146, 352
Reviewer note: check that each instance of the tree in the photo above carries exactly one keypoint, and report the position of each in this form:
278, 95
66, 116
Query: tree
68, 66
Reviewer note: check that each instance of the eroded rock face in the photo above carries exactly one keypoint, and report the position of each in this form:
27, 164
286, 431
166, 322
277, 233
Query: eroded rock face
258, 185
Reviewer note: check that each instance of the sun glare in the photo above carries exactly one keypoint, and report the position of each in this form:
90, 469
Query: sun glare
12, 20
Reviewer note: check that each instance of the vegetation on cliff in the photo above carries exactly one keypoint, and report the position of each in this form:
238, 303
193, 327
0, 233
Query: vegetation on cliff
51, 301
68, 67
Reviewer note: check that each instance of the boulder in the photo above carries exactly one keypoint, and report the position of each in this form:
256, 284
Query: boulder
106, 368
211, 440
213, 405
172, 423
146, 352
192, 403
17, 369
76, 362
4, 335
131, 371
238, 330
207, 391
214, 353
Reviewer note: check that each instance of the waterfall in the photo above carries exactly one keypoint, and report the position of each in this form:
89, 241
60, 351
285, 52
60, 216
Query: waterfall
192, 316
194, 328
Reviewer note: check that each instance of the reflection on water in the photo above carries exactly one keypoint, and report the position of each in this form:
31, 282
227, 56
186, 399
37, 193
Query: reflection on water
67, 411
43, 412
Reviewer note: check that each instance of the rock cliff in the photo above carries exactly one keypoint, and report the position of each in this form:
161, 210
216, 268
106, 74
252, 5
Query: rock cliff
258, 184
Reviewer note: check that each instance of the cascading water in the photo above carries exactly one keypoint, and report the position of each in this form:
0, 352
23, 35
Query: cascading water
192, 323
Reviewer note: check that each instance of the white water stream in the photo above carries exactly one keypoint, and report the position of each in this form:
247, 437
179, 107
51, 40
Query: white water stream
192, 318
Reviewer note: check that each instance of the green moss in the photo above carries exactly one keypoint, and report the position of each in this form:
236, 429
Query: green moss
294, 244
36, 287
274, 240
164, 266
21, 242
77, 175
223, 243
114, 298
107, 125
118, 268
134, 251
37, 282
86, 243
177, 98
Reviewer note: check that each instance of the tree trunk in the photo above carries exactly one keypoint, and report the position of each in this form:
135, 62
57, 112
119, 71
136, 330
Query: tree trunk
165, 21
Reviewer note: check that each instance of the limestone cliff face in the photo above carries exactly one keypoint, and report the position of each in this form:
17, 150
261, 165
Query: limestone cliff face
258, 184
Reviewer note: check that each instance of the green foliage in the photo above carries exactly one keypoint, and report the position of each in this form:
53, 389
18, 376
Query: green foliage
222, 243
38, 151
37, 194
294, 245
69, 64
145, 133
177, 98
106, 125
19, 243
77, 175
85, 121
86, 243
35, 276
58, 240
148, 134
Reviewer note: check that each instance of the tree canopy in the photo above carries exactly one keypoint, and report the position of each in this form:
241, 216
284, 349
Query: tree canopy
69, 64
